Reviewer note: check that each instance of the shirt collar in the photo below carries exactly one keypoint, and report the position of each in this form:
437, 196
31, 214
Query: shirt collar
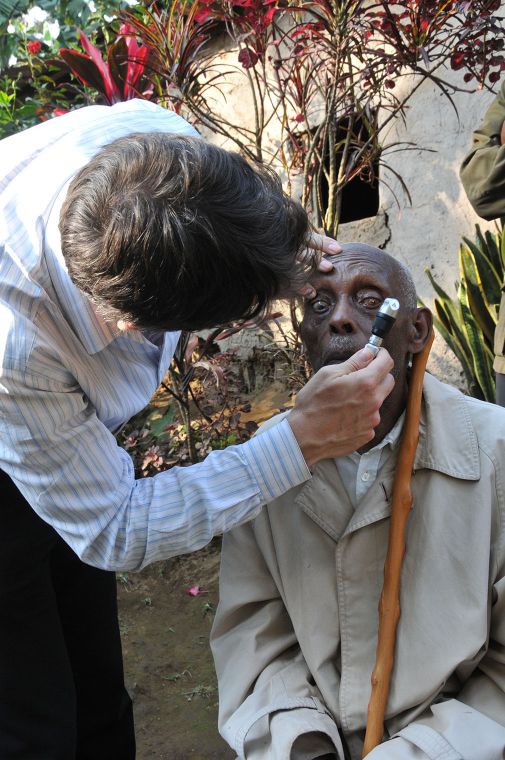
392, 438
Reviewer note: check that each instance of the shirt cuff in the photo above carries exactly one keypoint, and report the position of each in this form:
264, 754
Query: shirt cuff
276, 461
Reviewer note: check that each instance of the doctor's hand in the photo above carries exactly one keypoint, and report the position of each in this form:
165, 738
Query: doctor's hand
318, 246
338, 410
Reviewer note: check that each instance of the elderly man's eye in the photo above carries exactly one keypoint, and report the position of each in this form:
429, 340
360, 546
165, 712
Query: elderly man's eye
319, 306
371, 302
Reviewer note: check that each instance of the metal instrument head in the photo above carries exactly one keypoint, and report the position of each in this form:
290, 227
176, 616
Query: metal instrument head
383, 322
385, 317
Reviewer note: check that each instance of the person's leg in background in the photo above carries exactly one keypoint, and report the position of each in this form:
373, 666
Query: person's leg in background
499, 352
500, 389
48, 710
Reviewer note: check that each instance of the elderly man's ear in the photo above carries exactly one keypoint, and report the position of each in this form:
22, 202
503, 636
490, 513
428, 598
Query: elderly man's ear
421, 327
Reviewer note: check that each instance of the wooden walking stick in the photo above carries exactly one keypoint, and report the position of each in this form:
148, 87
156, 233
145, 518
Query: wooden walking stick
389, 605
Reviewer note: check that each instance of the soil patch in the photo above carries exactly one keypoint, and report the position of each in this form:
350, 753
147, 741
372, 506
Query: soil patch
168, 665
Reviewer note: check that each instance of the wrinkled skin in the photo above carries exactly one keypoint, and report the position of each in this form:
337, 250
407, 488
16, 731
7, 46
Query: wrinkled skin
338, 319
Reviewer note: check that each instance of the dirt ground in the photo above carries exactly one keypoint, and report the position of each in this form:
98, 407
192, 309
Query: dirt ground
168, 665
165, 632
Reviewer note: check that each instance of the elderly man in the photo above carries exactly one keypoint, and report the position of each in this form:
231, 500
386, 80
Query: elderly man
295, 634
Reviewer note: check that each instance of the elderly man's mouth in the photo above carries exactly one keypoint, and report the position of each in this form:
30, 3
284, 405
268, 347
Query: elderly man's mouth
338, 357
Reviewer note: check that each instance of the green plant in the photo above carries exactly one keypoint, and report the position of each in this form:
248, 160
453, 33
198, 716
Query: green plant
467, 323
13, 115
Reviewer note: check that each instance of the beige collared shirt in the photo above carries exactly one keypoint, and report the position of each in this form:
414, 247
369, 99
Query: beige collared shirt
360, 471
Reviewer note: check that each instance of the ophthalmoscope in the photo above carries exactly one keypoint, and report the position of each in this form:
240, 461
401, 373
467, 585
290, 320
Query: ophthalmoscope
384, 321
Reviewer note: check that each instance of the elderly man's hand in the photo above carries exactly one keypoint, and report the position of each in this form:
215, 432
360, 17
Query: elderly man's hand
317, 247
338, 410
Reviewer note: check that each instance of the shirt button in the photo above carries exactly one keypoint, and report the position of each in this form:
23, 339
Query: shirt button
365, 476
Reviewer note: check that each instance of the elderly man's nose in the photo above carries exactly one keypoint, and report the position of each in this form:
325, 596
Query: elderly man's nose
341, 321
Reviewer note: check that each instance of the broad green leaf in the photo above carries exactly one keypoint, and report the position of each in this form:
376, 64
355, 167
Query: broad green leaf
458, 351
482, 365
490, 277
487, 244
477, 301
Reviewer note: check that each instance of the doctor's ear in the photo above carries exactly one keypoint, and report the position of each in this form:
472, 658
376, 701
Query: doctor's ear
422, 325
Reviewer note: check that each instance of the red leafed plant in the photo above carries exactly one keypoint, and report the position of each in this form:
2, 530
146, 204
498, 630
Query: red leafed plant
324, 72
122, 76
178, 64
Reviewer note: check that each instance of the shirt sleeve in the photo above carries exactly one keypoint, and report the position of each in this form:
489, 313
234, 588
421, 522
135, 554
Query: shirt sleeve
69, 467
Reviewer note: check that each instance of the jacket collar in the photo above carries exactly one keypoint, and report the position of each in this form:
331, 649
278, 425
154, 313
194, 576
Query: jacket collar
447, 438
447, 444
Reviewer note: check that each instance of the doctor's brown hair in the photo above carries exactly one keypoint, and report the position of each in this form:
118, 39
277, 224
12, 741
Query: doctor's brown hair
171, 232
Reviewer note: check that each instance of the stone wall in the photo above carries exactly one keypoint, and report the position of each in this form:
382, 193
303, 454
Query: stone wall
427, 232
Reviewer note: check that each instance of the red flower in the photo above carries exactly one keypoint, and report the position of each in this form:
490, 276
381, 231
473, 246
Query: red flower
59, 111
34, 47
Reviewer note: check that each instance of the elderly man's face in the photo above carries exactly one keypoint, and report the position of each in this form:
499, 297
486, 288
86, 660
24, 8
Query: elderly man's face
337, 322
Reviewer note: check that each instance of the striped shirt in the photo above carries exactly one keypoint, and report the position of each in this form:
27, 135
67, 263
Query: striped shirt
69, 379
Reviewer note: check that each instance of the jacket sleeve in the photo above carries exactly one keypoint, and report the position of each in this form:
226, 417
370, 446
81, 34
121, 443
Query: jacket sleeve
483, 169
267, 697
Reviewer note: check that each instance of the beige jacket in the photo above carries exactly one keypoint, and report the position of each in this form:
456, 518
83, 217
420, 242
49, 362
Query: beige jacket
295, 633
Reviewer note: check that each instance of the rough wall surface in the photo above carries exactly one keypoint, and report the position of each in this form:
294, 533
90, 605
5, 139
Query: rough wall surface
426, 233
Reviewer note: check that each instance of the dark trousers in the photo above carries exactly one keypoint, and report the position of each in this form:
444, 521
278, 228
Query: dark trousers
500, 389
62, 693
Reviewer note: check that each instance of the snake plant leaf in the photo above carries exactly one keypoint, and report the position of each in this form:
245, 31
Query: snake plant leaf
487, 245
457, 349
482, 368
448, 321
477, 301
438, 290
449, 312
492, 249
490, 276
467, 322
